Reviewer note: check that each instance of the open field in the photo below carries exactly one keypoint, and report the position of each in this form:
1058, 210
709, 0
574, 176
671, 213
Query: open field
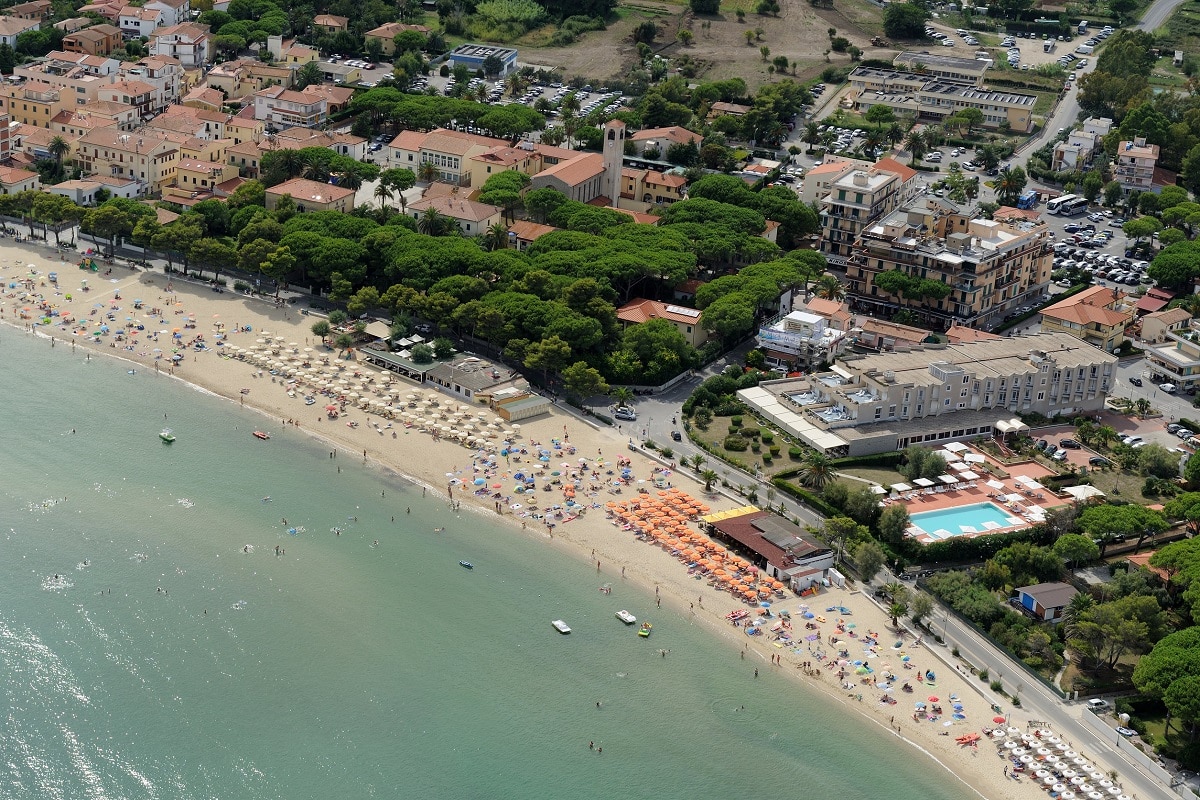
799, 33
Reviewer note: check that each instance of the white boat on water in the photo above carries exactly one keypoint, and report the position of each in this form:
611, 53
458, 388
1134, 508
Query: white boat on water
626, 617
561, 626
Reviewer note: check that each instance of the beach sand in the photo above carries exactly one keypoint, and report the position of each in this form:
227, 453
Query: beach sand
617, 554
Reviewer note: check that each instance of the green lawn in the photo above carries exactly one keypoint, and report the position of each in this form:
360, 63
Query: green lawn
879, 475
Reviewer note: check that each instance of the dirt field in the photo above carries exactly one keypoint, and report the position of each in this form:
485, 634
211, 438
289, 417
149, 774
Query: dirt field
799, 33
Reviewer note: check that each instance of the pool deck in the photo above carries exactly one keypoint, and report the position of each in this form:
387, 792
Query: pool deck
952, 497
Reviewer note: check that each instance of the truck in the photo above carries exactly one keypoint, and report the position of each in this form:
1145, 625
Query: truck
1083, 27
1027, 200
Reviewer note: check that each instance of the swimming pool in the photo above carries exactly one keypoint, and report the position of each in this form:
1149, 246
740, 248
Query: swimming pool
948, 522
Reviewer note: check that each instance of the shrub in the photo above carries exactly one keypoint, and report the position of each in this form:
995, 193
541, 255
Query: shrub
795, 453
774, 449
733, 429
767, 460
996, 686
736, 443
751, 433
767, 436
755, 446
241, 286
736, 421
983, 675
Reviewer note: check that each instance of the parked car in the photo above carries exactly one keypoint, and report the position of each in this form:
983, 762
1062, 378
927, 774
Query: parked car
1098, 461
1169, 388
1136, 381
1042, 444
1096, 704
627, 414
1184, 433
1126, 731
1070, 444
1132, 441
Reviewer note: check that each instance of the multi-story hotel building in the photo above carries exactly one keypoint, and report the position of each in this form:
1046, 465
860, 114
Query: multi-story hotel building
858, 198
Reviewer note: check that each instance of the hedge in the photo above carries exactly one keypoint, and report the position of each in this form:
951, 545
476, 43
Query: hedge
808, 498
893, 459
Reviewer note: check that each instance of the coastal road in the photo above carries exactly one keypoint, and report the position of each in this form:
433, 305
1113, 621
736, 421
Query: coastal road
1039, 703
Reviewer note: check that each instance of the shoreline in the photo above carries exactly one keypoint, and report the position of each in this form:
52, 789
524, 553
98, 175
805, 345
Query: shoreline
415, 461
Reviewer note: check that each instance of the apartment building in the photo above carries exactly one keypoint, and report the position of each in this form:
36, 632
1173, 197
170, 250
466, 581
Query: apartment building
138, 21
122, 115
202, 175
880, 403
1097, 315
188, 42
240, 79
991, 267
1081, 146
1156, 325
135, 93
284, 108
814, 332
344, 144
145, 157
1133, 166
98, 40
32, 104
164, 73
76, 76
448, 151
856, 199
1179, 357
932, 99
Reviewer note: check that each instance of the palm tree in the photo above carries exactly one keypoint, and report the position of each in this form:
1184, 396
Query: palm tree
816, 470
830, 288
971, 188
497, 237
1008, 186
896, 591
432, 223
427, 172
812, 135
59, 147
698, 461
894, 133
383, 193
914, 143
709, 477
1105, 434
1141, 406
350, 180
896, 611
621, 395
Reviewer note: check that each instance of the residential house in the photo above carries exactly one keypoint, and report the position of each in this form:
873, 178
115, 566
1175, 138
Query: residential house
284, 108
205, 98
344, 144
857, 199
991, 267
145, 157
15, 181
523, 233
1156, 326
1081, 146
330, 23
449, 152
386, 35
98, 40
1155, 299
1097, 315
37, 10
32, 104
290, 52
337, 98
201, 176
723, 109
686, 320
174, 12
138, 21
191, 121
661, 139
240, 79
646, 187
1133, 167
246, 156
72, 24
312, 196
12, 27
31, 142
122, 115
472, 218
188, 42
579, 179
1046, 601
83, 192
164, 73
138, 94
884, 402
106, 9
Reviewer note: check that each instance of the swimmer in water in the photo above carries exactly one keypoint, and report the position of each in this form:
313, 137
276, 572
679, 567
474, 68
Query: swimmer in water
438, 530
283, 520
375, 543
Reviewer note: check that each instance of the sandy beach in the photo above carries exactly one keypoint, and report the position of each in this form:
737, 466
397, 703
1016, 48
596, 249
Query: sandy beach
451, 471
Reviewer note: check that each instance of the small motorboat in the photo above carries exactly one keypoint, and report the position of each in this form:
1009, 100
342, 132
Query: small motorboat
261, 435
166, 435
644, 631
626, 617
466, 564
560, 626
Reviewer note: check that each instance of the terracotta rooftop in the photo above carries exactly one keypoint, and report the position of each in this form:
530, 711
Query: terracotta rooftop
577, 170
641, 310
317, 192
674, 133
458, 208
1087, 308
528, 231
961, 334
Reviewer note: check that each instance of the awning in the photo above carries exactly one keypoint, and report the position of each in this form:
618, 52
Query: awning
974, 458
878, 490
960, 466
948, 479
901, 487
995, 484
956, 447
1028, 482
949, 455
923, 482
968, 476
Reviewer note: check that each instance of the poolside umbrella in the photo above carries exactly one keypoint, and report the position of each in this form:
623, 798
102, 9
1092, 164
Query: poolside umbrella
878, 490
923, 482
901, 487
948, 479
995, 484
997, 720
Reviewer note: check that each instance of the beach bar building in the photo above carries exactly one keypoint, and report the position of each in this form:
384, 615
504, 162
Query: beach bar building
776, 546
1046, 601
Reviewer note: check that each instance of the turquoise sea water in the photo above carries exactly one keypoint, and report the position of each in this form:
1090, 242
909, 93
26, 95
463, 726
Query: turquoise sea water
343, 670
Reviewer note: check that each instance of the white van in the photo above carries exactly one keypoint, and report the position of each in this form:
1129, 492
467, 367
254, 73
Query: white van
1169, 388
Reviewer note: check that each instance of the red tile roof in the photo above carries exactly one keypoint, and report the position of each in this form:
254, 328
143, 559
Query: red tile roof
642, 310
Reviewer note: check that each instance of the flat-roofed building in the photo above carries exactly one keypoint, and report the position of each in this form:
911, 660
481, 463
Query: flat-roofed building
856, 199
933, 99
1097, 315
474, 56
814, 332
31, 104
990, 267
1081, 146
1133, 166
1178, 358
949, 68
885, 402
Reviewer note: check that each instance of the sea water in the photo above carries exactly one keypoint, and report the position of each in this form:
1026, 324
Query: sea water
154, 645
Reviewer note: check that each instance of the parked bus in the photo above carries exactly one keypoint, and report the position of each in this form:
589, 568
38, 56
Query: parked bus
1027, 200
1054, 205
1077, 206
